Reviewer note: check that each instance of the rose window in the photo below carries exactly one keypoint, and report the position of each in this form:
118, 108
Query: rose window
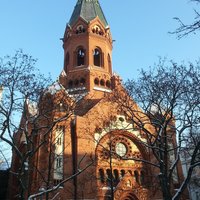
121, 149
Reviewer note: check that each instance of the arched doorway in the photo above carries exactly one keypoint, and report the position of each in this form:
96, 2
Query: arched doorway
129, 196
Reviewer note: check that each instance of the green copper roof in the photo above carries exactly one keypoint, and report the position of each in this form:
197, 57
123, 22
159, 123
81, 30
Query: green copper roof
88, 10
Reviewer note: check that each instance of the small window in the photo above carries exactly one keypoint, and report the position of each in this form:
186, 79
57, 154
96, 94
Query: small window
76, 83
122, 173
116, 175
82, 81
142, 175
59, 141
136, 174
61, 107
80, 29
97, 57
96, 81
70, 84
101, 174
109, 175
59, 162
102, 82
96, 29
108, 84
80, 57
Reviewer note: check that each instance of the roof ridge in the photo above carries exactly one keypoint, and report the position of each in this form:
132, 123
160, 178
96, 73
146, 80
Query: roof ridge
88, 10
95, 7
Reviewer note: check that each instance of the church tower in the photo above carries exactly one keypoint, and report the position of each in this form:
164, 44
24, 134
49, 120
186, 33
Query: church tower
87, 47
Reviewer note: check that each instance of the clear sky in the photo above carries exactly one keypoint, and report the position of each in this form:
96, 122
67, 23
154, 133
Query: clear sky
140, 28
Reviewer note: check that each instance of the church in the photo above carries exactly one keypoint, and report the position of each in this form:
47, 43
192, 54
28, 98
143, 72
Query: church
91, 138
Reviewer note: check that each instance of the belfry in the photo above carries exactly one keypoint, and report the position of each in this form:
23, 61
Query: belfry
87, 47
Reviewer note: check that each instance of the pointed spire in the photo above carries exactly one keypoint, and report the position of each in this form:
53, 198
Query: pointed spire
87, 10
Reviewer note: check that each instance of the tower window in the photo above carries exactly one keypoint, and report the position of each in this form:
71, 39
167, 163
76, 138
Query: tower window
82, 81
80, 29
96, 29
96, 81
108, 84
70, 84
97, 57
80, 57
76, 83
102, 82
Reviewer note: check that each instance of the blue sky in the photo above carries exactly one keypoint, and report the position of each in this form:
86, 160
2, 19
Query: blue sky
140, 28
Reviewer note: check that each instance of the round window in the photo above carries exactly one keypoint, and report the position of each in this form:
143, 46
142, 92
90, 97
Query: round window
121, 149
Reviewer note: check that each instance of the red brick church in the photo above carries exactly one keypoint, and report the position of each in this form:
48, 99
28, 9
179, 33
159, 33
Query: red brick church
97, 134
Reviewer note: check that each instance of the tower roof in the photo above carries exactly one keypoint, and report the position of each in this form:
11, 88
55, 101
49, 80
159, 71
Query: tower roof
88, 10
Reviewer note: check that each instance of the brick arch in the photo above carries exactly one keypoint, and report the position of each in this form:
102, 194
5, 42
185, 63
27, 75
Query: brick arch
98, 57
128, 135
129, 196
80, 56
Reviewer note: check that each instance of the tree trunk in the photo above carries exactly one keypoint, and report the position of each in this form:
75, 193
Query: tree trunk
165, 187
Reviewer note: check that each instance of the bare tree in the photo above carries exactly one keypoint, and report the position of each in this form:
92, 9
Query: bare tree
170, 102
30, 114
186, 29
20, 82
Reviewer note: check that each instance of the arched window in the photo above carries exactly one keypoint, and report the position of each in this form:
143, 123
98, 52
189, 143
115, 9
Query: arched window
76, 83
102, 82
136, 174
142, 175
108, 84
101, 174
70, 84
96, 81
82, 81
116, 175
80, 57
80, 29
97, 57
122, 172
109, 175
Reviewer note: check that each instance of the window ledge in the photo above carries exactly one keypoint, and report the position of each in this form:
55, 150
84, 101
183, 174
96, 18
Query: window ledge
102, 89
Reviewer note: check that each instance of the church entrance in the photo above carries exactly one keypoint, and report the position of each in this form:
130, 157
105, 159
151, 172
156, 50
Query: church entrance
129, 196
